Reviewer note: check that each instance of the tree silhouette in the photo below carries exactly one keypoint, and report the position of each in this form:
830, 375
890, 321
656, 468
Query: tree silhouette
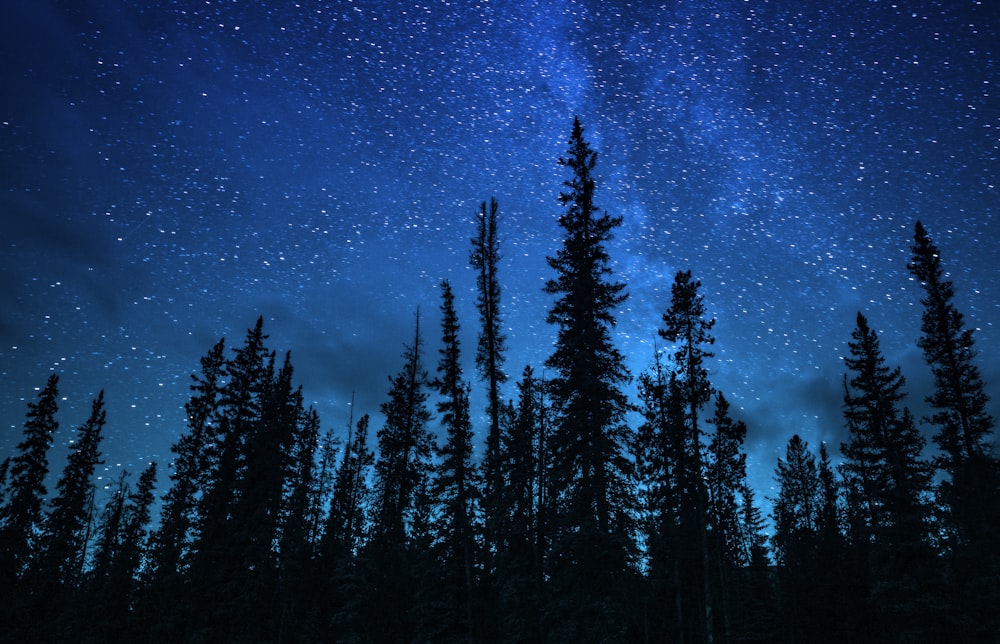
726, 479
886, 482
455, 487
63, 544
519, 536
590, 476
484, 259
190, 470
685, 325
970, 490
401, 472
112, 588
21, 515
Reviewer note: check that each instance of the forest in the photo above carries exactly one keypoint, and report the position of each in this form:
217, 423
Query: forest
577, 524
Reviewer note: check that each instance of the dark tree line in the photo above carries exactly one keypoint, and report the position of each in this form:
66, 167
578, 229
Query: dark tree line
574, 526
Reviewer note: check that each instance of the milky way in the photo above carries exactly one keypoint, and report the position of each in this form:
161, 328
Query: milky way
170, 173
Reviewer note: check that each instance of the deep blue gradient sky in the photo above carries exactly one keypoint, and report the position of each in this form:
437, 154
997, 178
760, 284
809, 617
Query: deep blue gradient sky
169, 173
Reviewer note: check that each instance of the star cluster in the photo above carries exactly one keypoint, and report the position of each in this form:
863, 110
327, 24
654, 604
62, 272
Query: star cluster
171, 171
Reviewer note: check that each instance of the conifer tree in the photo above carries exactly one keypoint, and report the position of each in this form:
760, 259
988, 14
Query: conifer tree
663, 460
484, 259
120, 548
518, 537
885, 474
296, 518
344, 524
590, 476
347, 574
260, 506
686, 326
754, 530
109, 530
959, 400
401, 471
231, 552
191, 468
829, 515
798, 506
455, 487
726, 476
62, 548
404, 447
240, 408
138, 511
320, 495
807, 547
21, 515
970, 490
296, 549
4, 469
755, 617
887, 483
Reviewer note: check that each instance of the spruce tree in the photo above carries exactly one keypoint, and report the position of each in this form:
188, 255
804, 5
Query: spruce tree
405, 447
21, 515
260, 507
455, 486
970, 488
173, 546
797, 508
345, 519
231, 556
590, 475
887, 482
484, 259
815, 602
296, 548
296, 518
401, 471
240, 407
959, 399
64, 538
346, 573
518, 536
885, 473
663, 459
171, 543
320, 495
686, 326
726, 476
755, 617
119, 554
109, 530
135, 529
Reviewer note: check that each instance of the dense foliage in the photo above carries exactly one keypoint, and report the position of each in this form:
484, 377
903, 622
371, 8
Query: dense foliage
577, 524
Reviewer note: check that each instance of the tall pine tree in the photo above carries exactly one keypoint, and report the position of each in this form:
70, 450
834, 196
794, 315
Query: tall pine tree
887, 483
726, 478
21, 515
970, 489
591, 478
518, 536
686, 326
484, 259
172, 541
455, 487
401, 471
664, 465
64, 540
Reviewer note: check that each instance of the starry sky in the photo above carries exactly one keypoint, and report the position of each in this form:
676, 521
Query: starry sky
171, 170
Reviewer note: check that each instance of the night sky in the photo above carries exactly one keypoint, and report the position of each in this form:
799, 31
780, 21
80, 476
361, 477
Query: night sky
169, 173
